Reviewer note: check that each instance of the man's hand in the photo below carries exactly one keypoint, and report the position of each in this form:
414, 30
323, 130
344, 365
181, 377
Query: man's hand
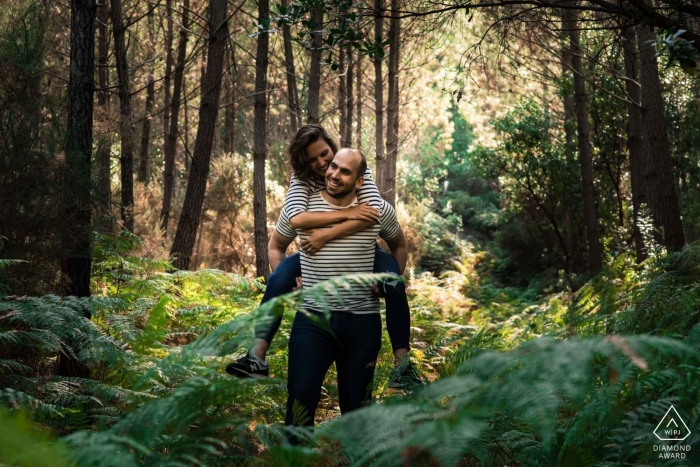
299, 285
314, 242
363, 212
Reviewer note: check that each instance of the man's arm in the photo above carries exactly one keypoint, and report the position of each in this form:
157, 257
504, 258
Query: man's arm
277, 248
399, 249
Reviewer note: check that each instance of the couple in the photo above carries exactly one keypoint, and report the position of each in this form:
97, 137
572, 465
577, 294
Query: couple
335, 207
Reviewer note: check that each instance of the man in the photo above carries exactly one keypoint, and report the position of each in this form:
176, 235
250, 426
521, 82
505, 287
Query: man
352, 336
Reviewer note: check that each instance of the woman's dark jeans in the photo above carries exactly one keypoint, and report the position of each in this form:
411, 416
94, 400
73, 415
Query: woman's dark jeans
398, 316
350, 340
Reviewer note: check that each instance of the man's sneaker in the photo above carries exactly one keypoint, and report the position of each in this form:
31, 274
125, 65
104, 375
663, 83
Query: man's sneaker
248, 367
404, 376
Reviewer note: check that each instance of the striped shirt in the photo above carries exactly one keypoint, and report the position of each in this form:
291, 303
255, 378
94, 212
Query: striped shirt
299, 191
348, 255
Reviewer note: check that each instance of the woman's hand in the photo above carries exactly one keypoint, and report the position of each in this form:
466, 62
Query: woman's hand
314, 242
363, 212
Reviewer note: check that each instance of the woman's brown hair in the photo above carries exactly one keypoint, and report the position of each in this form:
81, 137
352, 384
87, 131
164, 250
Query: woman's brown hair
305, 137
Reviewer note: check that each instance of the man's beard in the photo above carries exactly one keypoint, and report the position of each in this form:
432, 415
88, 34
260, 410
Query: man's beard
340, 194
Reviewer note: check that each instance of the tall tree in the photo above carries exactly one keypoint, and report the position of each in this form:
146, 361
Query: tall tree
315, 66
144, 162
342, 96
188, 223
292, 92
380, 161
388, 186
262, 265
76, 260
659, 184
349, 98
635, 144
171, 139
568, 97
104, 146
126, 159
167, 100
230, 111
358, 127
595, 248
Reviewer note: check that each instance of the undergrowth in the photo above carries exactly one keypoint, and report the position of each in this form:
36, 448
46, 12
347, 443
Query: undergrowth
515, 377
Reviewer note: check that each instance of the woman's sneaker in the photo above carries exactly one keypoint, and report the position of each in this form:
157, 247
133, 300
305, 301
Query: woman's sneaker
404, 376
248, 366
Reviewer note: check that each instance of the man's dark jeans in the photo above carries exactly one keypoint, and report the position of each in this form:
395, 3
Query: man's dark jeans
351, 340
398, 316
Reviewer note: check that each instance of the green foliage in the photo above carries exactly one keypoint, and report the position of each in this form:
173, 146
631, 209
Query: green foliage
516, 378
539, 192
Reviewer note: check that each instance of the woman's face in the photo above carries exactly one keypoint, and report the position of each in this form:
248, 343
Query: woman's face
319, 155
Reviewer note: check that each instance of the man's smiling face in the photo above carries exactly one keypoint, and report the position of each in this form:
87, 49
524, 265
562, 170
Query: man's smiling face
319, 155
342, 176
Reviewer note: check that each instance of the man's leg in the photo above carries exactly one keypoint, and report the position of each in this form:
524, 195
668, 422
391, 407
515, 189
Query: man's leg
280, 282
360, 338
311, 352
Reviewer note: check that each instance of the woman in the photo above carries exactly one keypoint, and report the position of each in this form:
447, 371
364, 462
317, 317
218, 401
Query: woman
310, 153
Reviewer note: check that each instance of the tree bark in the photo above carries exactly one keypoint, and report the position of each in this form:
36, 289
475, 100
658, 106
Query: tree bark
657, 170
349, 102
342, 97
144, 162
392, 117
77, 206
262, 265
188, 223
595, 249
315, 67
358, 127
380, 159
171, 139
635, 144
292, 92
104, 145
126, 158
568, 98
230, 112
167, 100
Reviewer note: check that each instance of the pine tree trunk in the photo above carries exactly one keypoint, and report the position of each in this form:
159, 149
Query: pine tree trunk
262, 265
358, 128
77, 207
392, 117
292, 92
171, 139
380, 159
188, 223
104, 145
126, 158
315, 68
342, 97
144, 159
657, 170
349, 102
635, 143
144, 163
595, 249
229, 114
167, 100
568, 98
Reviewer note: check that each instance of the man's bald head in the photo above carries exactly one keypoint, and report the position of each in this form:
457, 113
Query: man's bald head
356, 156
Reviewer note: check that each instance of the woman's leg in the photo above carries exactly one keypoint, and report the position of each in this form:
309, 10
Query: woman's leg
398, 315
280, 282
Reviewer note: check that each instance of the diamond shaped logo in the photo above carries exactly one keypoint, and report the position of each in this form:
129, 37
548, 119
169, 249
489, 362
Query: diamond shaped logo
672, 427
